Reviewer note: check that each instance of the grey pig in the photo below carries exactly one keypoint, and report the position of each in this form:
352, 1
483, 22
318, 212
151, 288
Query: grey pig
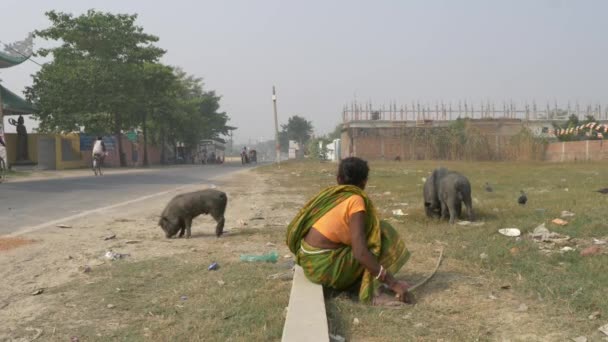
432, 206
183, 208
454, 189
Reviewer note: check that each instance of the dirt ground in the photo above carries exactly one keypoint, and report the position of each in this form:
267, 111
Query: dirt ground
462, 303
58, 255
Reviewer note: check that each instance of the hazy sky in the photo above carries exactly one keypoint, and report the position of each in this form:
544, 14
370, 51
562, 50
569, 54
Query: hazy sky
321, 54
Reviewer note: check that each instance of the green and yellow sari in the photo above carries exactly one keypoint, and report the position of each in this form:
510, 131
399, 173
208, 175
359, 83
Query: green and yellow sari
337, 268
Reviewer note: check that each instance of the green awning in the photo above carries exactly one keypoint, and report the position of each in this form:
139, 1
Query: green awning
12, 104
17, 52
9, 61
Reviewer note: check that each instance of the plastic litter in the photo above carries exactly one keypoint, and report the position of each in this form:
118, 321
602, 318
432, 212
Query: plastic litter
560, 222
513, 232
566, 213
214, 266
269, 257
115, 256
399, 212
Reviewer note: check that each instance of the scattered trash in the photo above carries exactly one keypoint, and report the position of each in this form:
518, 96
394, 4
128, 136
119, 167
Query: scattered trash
475, 200
270, 244
336, 338
110, 306
115, 256
242, 222
221, 283
86, 269
110, 237
522, 308
69, 257
514, 251
592, 250
212, 186
595, 315
492, 297
599, 242
269, 257
560, 222
566, 189
566, 213
183, 298
418, 325
287, 256
132, 242
63, 226
506, 287
579, 339
483, 256
386, 193
257, 218
604, 329
542, 234
356, 321
423, 179
214, 266
37, 292
74, 339
469, 223
513, 232
567, 249
399, 212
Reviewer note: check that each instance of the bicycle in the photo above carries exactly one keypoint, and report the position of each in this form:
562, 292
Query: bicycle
3, 170
97, 160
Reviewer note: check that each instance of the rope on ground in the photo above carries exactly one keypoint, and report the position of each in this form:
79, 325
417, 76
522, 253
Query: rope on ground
425, 280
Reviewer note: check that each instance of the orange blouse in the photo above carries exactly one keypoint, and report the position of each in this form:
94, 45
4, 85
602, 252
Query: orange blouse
335, 225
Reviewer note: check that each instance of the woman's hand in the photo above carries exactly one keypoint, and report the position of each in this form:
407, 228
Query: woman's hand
400, 288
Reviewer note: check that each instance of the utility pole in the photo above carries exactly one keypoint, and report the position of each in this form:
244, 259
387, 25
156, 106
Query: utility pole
277, 145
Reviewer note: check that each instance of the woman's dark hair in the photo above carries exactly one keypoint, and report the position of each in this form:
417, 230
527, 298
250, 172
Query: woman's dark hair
353, 171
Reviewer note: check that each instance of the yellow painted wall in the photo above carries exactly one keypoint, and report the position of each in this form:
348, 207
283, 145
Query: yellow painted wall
75, 142
11, 146
32, 146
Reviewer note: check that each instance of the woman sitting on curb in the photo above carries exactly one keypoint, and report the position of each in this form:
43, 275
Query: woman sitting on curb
339, 241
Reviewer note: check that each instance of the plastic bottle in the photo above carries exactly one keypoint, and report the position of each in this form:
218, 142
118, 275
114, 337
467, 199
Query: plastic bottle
269, 257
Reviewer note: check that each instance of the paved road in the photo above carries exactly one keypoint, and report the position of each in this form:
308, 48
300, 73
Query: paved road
30, 203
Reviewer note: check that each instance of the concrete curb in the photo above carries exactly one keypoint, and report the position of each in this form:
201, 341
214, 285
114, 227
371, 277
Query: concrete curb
306, 318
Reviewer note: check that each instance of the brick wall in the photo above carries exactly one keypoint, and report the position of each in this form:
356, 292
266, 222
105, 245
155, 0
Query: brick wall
577, 151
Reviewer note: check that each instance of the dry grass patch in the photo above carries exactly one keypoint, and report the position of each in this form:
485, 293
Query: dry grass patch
490, 287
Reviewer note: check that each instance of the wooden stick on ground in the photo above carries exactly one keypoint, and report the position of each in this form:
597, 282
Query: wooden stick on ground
425, 280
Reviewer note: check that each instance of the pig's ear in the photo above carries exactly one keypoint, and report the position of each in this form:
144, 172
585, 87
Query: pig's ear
163, 220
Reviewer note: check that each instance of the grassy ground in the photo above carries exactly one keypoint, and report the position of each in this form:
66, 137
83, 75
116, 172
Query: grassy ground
470, 296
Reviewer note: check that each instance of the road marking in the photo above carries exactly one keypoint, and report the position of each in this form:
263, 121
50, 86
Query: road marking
93, 211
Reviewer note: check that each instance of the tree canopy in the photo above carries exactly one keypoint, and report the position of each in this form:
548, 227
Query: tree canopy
297, 129
105, 76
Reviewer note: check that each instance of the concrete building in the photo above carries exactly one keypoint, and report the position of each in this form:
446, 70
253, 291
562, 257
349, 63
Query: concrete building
401, 140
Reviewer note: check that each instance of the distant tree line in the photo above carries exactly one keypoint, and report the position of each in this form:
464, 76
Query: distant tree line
106, 77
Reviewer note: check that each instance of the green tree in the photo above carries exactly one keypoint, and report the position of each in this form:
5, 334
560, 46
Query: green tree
157, 96
94, 74
336, 133
188, 114
298, 129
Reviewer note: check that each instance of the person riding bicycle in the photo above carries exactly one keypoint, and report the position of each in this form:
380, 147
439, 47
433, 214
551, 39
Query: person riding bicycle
99, 149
